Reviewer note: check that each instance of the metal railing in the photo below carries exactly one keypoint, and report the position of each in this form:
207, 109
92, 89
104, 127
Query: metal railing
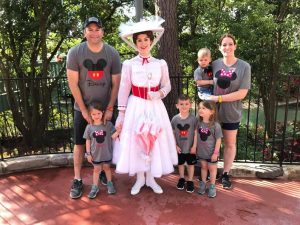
255, 142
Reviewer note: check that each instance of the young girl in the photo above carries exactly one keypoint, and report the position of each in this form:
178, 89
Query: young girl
208, 145
99, 147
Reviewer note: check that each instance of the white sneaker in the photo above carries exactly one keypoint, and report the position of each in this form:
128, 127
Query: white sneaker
140, 182
156, 188
150, 182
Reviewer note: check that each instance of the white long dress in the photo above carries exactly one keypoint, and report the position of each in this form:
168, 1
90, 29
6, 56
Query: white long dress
129, 152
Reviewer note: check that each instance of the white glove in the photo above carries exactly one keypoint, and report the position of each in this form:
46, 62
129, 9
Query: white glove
154, 95
120, 119
205, 97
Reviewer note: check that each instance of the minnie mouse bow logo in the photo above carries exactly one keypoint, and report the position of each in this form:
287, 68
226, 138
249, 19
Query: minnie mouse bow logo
99, 135
204, 130
226, 74
204, 133
95, 70
224, 78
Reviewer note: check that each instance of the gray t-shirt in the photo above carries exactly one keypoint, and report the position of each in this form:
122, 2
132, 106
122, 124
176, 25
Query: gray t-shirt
95, 70
184, 130
206, 139
202, 74
101, 141
228, 80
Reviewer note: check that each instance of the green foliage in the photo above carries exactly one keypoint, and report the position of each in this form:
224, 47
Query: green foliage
32, 33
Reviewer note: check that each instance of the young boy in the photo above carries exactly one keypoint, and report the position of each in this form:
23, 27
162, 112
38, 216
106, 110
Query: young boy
184, 127
203, 75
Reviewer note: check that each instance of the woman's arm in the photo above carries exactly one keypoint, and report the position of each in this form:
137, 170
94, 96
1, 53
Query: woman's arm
231, 97
125, 86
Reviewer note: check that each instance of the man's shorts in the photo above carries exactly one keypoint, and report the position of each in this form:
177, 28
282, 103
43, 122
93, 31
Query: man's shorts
79, 127
190, 159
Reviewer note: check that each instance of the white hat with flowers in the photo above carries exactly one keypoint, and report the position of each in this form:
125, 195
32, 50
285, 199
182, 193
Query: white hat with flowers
152, 23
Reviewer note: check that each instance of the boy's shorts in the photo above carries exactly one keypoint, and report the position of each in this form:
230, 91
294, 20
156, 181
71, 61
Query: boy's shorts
190, 159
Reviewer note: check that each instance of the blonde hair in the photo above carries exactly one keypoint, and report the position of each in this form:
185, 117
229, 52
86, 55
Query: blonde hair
204, 52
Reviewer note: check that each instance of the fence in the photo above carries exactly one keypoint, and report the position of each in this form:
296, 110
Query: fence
254, 141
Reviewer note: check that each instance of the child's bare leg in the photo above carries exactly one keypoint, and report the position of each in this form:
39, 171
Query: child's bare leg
97, 169
191, 169
203, 170
213, 168
181, 170
107, 170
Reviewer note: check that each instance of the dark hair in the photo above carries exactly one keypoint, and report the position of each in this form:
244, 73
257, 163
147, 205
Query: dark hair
149, 33
211, 106
229, 36
183, 97
96, 105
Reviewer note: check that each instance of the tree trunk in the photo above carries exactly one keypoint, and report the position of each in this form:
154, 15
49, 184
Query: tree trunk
169, 50
268, 90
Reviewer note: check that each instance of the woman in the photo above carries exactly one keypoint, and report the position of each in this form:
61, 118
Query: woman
232, 80
147, 143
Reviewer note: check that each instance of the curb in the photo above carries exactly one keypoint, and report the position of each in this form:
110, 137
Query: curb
255, 170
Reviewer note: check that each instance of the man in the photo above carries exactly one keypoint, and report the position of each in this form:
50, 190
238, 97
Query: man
93, 71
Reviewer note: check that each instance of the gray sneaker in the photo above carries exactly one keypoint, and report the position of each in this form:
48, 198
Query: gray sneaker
202, 187
110, 188
212, 191
94, 191
76, 189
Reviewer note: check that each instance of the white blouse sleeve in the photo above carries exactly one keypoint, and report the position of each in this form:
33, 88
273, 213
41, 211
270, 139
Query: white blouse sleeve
125, 85
165, 84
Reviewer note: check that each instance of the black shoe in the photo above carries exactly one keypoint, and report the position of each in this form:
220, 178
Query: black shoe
180, 184
102, 177
226, 182
190, 186
76, 189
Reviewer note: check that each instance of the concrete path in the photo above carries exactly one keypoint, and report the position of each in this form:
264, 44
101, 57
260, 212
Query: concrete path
42, 197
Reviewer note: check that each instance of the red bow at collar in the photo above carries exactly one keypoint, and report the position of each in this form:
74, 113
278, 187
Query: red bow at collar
145, 60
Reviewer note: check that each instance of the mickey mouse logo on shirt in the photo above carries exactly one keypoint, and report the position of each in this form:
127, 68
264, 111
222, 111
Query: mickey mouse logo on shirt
183, 130
95, 70
209, 72
99, 135
204, 133
225, 78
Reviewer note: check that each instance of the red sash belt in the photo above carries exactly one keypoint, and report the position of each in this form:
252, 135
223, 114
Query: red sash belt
142, 91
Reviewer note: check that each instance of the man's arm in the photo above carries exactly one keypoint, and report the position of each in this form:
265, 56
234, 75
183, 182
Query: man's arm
73, 78
114, 89
115, 80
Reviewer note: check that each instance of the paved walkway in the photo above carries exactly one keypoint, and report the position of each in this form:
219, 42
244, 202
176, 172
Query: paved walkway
42, 197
